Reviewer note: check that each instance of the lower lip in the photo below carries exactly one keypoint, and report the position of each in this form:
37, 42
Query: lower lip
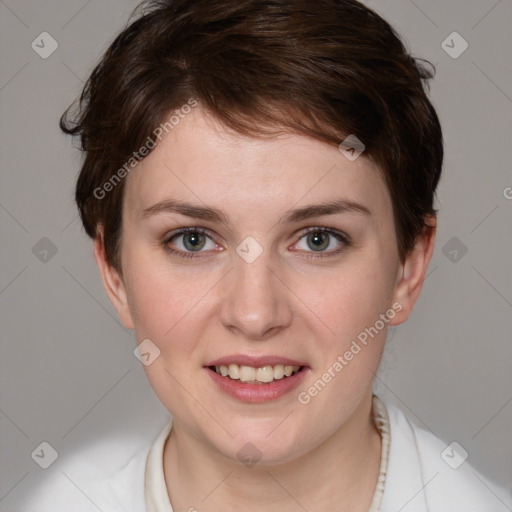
257, 393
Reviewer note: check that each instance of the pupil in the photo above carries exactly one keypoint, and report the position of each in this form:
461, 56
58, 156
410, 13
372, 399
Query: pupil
319, 240
194, 241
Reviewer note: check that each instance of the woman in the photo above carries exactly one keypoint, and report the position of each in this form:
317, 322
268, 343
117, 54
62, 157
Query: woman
259, 180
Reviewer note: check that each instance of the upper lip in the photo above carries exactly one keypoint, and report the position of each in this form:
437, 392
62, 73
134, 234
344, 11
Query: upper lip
255, 361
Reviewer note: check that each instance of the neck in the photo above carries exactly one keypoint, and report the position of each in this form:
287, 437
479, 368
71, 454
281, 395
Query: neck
340, 474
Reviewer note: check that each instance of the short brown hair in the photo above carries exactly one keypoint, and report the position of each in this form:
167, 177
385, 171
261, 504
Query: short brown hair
323, 68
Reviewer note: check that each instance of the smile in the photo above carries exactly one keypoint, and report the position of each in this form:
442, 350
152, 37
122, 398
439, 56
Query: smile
256, 379
256, 375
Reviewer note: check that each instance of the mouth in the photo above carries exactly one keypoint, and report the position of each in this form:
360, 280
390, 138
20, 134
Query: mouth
256, 379
256, 375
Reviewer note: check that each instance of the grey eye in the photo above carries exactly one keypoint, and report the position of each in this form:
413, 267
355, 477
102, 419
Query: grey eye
193, 241
318, 240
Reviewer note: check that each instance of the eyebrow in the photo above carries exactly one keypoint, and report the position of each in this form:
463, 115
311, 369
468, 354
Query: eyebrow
215, 215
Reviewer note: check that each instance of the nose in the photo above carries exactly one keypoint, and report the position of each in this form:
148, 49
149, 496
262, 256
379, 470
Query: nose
255, 299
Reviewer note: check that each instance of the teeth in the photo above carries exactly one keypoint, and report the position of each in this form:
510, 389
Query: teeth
265, 374
256, 375
247, 373
234, 371
278, 371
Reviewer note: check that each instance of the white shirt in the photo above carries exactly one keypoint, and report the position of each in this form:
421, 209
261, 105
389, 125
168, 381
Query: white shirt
419, 473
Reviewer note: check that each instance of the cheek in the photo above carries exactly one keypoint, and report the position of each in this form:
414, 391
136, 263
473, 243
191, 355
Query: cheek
347, 301
162, 302
168, 313
350, 304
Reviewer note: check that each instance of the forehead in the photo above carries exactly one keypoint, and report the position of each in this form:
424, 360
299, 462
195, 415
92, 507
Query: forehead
202, 161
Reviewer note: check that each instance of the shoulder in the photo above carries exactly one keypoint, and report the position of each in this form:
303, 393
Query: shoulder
427, 474
83, 481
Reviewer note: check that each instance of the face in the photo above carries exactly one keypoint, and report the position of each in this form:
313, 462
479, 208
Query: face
233, 263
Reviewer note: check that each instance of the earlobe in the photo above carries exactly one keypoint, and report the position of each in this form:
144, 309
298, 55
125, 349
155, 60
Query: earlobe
112, 283
413, 270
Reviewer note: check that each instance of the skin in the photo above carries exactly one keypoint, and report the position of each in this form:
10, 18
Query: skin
323, 455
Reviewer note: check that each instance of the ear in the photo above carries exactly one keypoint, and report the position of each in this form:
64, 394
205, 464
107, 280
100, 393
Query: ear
412, 272
112, 282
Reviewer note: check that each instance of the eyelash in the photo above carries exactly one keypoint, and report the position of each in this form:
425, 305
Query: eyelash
191, 254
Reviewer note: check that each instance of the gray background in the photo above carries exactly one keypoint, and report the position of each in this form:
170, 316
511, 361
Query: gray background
68, 375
